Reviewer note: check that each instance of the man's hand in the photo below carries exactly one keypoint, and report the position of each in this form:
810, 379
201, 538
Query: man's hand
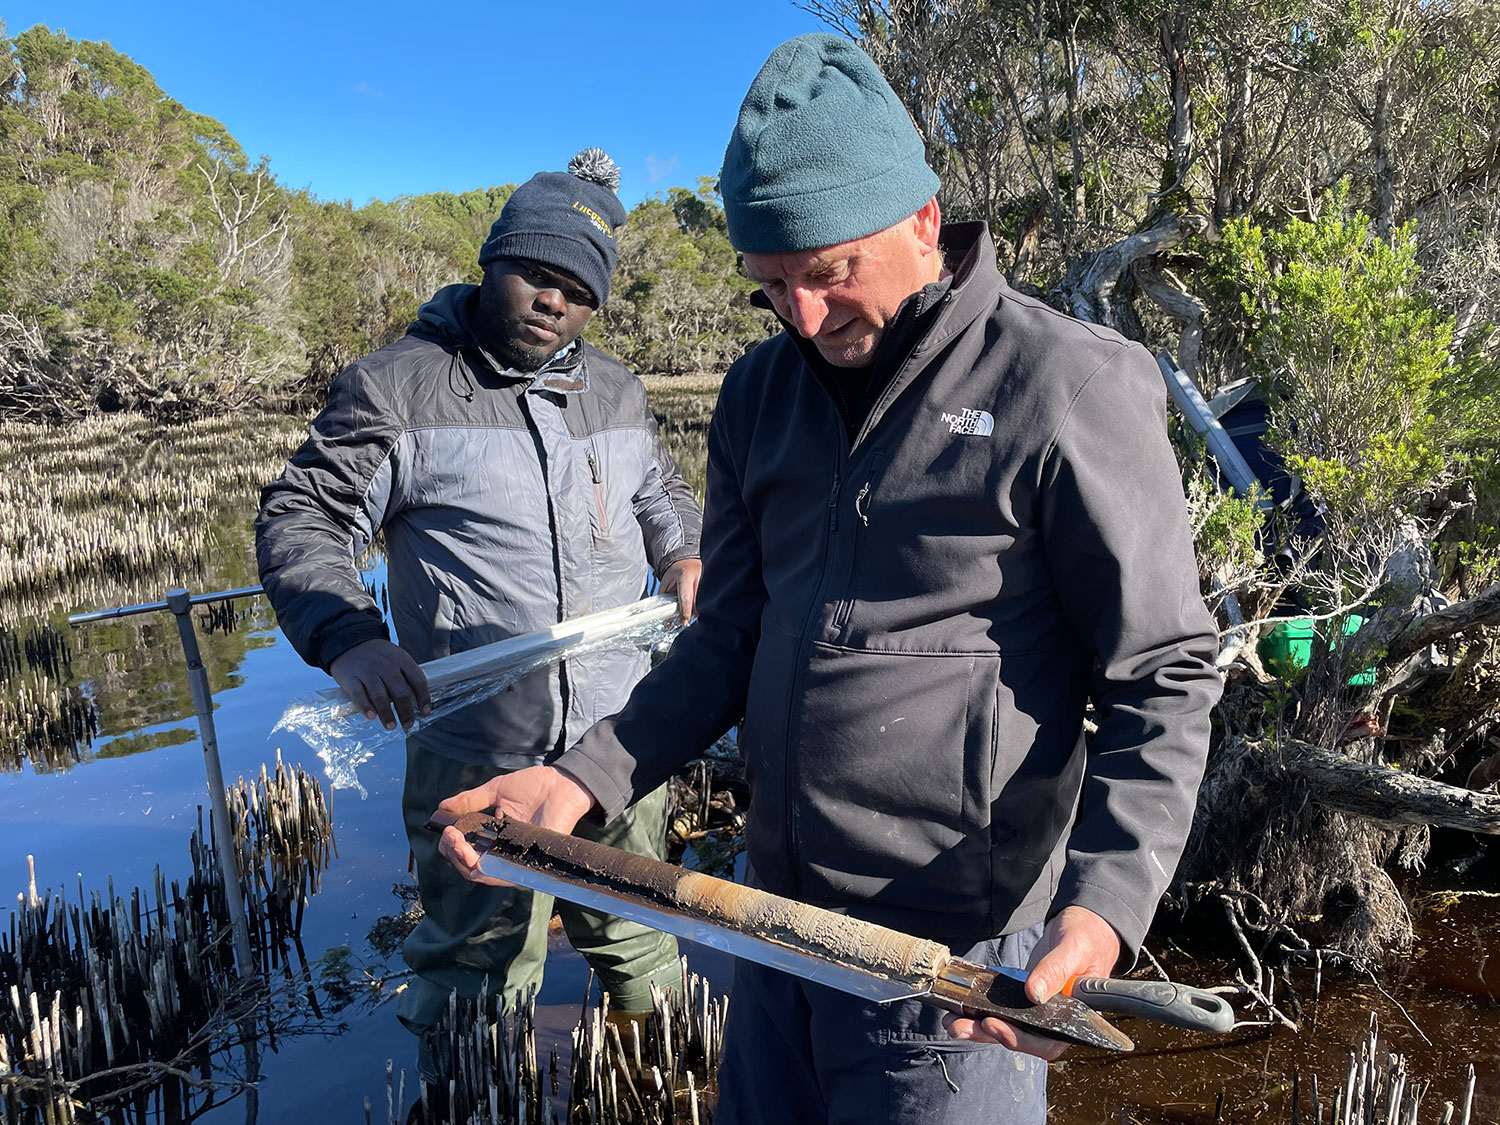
384, 682
538, 795
1076, 943
682, 579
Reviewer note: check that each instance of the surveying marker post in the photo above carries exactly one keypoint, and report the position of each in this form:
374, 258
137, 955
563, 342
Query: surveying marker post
181, 603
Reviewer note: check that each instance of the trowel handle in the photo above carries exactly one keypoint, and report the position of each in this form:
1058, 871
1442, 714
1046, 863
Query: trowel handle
1180, 1005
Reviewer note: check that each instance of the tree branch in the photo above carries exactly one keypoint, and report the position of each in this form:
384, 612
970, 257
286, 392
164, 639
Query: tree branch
1390, 796
1173, 296
1482, 609
1091, 299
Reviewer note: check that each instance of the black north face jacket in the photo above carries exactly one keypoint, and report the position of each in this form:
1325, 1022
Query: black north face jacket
912, 623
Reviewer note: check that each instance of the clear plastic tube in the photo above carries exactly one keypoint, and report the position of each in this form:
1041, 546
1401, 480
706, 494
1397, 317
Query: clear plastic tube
345, 739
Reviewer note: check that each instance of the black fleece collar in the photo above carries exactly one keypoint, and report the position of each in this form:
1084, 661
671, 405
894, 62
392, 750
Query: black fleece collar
856, 390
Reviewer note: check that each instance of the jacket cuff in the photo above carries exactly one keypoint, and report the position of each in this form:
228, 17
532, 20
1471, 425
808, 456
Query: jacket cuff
353, 631
612, 797
1123, 916
686, 551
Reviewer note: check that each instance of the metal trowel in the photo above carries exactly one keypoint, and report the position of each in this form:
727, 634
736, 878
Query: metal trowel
844, 953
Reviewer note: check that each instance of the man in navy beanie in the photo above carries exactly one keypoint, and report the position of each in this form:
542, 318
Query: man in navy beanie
516, 475
943, 520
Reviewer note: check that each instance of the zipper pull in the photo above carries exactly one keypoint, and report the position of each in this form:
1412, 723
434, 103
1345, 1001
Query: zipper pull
833, 506
598, 492
860, 499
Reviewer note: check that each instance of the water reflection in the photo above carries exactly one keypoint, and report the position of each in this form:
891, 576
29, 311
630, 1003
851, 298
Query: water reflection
110, 512
1425, 1008
135, 1004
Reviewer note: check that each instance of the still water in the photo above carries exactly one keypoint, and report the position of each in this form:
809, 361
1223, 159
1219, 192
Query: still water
129, 802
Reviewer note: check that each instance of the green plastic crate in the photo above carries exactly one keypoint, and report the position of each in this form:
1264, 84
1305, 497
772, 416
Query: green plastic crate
1288, 647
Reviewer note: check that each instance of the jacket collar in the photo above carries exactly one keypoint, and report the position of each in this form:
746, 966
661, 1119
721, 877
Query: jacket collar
566, 373
448, 318
973, 291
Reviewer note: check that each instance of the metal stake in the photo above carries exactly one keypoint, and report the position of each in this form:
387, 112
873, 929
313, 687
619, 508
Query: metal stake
180, 603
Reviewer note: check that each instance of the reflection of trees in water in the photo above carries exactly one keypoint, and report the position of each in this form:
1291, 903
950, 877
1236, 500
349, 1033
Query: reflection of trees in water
44, 717
116, 511
683, 405
105, 506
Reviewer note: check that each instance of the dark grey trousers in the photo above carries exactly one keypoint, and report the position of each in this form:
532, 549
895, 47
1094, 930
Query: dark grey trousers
801, 1052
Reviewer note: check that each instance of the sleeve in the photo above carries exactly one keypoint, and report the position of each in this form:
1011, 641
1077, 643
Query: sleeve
322, 511
670, 519
1120, 551
698, 692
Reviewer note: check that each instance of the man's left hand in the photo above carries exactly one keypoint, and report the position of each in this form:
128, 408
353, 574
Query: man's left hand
681, 579
1076, 943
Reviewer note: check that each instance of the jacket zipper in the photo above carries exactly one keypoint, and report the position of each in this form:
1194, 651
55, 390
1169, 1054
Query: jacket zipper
788, 769
845, 608
598, 492
563, 666
886, 397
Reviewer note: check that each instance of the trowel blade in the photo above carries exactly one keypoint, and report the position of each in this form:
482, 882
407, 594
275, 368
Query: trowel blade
979, 990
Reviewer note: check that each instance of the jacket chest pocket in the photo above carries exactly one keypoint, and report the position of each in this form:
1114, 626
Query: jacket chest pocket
599, 496
860, 516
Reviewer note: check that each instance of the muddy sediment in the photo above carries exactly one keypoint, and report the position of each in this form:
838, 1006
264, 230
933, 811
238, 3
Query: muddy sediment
836, 937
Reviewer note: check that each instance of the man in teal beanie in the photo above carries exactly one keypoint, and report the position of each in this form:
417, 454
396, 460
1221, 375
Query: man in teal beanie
943, 520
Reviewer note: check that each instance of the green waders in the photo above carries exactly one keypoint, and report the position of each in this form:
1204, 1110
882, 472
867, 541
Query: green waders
470, 931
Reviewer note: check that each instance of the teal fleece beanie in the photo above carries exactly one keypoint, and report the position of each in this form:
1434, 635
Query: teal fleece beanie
823, 152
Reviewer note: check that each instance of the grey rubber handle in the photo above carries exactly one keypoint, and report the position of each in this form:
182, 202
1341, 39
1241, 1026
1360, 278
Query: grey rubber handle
1180, 1005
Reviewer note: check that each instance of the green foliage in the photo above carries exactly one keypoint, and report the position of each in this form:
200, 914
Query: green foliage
142, 253
679, 302
1228, 528
361, 274
1354, 355
448, 224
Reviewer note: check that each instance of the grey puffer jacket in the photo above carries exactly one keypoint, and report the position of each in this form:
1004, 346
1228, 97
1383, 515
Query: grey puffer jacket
508, 503
911, 624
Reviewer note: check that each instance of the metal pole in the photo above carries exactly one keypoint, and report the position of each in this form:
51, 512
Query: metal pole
181, 604
153, 607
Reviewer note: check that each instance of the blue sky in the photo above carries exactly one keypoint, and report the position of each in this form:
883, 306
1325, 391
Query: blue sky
375, 100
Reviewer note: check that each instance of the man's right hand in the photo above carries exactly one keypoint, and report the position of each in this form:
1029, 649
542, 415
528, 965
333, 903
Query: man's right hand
384, 682
540, 795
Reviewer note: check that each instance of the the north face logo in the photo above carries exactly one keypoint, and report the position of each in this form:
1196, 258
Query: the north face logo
979, 422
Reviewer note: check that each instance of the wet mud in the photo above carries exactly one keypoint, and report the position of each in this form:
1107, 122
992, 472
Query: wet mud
844, 940
1439, 1007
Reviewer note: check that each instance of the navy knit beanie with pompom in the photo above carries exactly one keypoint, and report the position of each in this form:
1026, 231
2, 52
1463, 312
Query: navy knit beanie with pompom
567, 220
